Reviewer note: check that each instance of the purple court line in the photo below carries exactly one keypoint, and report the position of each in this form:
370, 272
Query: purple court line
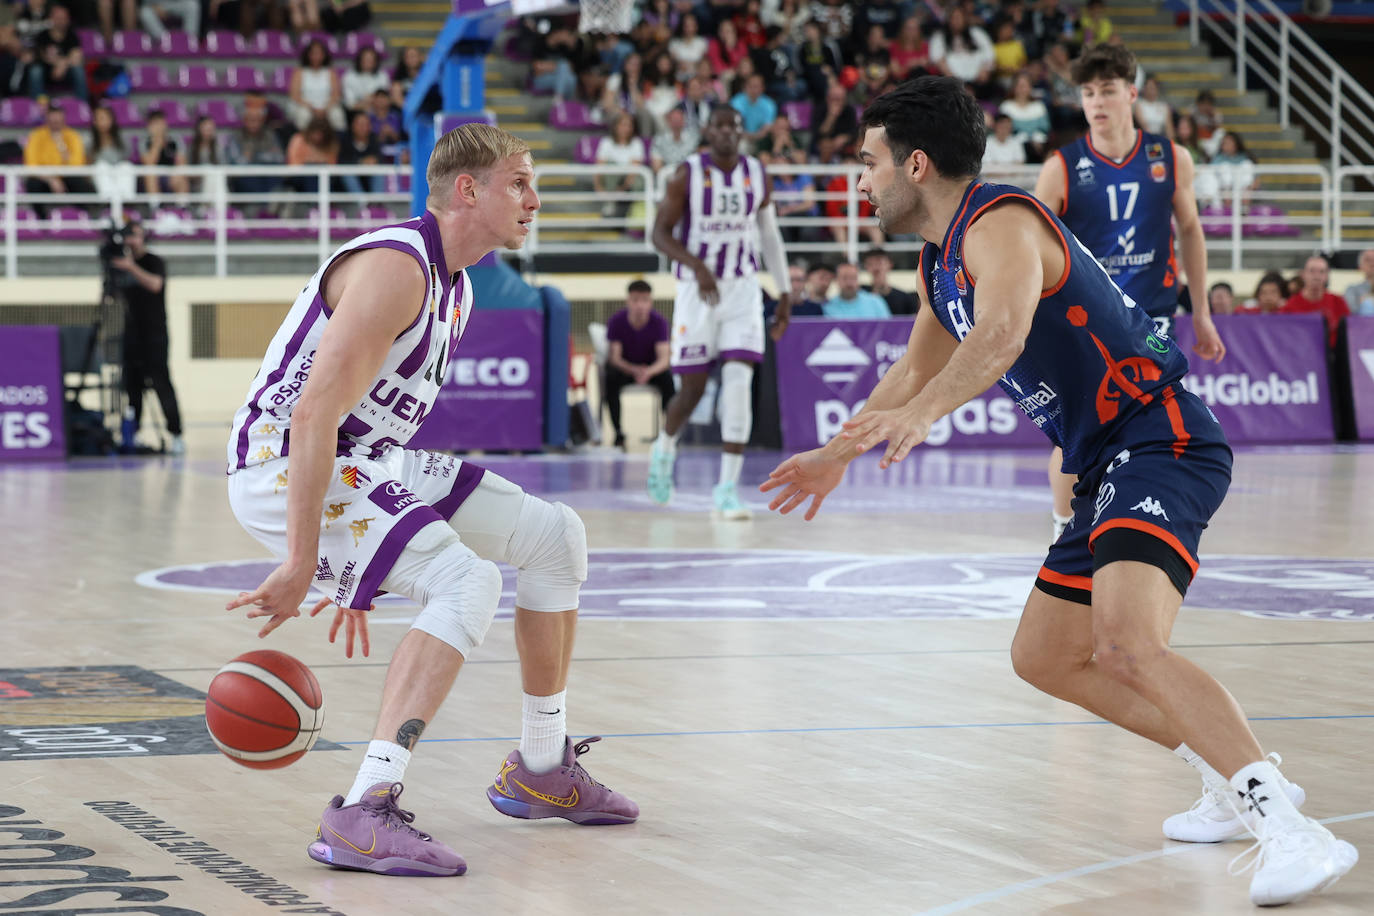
854, 728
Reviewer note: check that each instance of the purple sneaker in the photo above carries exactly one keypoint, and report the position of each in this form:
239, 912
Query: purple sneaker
565, 791
375, 835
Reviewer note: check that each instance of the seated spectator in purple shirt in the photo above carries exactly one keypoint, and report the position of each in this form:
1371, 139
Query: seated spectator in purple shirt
638, 338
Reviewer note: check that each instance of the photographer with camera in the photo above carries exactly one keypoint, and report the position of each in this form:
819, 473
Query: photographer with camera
140, 278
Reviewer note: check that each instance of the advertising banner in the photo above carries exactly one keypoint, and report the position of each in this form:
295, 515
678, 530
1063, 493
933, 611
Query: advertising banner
1359, 335
1272, 385
493, 397
31, 424
826, 368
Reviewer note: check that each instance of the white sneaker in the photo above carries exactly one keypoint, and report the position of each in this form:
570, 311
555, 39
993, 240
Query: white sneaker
727, 504
1292, 860
178, 447
660, 482
1214, 819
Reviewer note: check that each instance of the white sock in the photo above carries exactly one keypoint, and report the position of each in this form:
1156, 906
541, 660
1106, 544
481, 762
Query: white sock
730, 466
384, 762
1261, 790
543, 731
1194, 760
666, 443
1064, 520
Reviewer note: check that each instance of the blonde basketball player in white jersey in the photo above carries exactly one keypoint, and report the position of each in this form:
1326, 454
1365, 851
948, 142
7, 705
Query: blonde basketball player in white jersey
347, 381
715, 222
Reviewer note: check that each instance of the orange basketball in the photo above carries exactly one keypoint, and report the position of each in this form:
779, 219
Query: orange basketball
264, 709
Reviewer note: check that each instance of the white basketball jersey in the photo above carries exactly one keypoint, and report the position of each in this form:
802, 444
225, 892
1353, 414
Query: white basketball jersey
407, 386
719, 223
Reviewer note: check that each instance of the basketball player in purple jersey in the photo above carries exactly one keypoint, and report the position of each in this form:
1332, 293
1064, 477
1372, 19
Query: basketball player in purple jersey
717, 205
319, 473
1017, 300
1119, 190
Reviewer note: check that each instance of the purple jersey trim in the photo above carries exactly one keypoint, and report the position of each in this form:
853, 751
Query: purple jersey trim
389, 552
395, 246
467, 479
412, 363
293, 347
749, 356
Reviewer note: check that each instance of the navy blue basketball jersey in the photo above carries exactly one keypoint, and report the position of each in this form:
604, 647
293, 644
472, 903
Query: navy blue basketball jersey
1092, 360
1123, 211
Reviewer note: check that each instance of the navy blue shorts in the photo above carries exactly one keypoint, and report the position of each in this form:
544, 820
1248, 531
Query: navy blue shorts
1168, 472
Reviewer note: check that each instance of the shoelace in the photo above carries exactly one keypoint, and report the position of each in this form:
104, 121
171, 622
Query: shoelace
394, 817
576, 769
1265, 845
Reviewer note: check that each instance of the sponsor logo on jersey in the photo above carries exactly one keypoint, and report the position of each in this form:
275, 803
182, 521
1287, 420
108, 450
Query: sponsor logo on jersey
1154, 151
359, 529
1150, 506
838, 361
346, 579
960, 282
393, 498
1159, 171
353, 476
334, 511
323, 572
1086, 174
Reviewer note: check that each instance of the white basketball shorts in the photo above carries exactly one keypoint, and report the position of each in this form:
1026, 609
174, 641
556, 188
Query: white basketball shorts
372, 510
731, 329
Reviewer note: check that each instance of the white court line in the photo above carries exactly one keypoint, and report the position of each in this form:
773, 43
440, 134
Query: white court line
1012, 889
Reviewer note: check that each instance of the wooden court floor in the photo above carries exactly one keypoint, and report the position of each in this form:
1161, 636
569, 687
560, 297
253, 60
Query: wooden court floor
814, 718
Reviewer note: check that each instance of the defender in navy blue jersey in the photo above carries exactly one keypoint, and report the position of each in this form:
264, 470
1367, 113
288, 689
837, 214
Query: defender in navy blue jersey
1015, 299
1120, 190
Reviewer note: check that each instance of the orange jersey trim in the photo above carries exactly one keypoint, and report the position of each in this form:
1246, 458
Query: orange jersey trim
1083, 583
1038, 205
959, 216
1150, 529
1139, 138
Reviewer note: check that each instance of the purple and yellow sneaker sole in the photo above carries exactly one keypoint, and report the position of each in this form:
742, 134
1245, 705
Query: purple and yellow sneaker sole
345, 858
512, 807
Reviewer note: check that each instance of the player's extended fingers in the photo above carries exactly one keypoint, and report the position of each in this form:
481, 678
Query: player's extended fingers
339, 614
362, 635
320, 605
350, 627
815, 506
783, 497
244, 598
796, 500
276, 621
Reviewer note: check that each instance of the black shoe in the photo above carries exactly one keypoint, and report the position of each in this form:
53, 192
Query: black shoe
620, 442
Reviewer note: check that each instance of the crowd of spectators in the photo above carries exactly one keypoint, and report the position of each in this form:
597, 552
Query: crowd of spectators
329, 115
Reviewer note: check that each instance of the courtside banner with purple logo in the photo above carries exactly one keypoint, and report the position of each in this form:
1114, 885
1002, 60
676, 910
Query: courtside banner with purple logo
826, 369
1272, 385
31, 423
493, 397
1359, 335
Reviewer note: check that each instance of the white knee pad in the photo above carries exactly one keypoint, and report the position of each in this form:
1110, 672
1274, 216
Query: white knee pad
459, 592
736, 401
549, 550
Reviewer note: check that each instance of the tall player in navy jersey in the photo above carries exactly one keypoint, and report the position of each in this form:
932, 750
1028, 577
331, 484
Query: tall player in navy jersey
717, 223
1119, 190
1017, 300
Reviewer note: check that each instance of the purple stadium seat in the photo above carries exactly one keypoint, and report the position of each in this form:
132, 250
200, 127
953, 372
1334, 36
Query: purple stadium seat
20, 112
571, 115
798, 114
178, 44
78, 112
585, 152
27, 221
92, 43
197, 78
148, 78
221, 111
279, 80
178, 116
329, 41
126, 112
72, 224
353, 41
132, 44
244, 78
267, 43
224, 44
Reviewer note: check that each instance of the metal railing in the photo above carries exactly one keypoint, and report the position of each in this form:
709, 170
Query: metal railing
1307, 80
1295, 208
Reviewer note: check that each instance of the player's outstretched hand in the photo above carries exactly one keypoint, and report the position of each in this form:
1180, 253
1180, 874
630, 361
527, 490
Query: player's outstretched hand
1209, 345
706, 286
354, 622
782, 317
280, 596
902, 428
812, 474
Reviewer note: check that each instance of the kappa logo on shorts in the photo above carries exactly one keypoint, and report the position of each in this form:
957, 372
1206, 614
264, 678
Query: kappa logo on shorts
392, 498
359, 529
1121, 458
1150, 506
353, 476
1104, 499
334, 511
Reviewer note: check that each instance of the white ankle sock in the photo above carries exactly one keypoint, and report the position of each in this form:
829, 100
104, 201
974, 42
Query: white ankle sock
384, 762
666, 443
730, 466
1064, 520
1194, 760
1261, 790
543, 731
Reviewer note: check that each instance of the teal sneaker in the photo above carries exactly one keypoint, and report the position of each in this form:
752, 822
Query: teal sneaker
728, 506
660, 474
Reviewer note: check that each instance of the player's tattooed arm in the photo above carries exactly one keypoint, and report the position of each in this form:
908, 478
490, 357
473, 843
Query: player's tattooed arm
409, 733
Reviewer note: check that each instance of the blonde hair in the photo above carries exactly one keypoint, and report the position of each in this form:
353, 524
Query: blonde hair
468, 149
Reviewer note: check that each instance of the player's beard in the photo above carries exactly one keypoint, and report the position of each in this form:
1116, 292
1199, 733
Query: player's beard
899, 206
